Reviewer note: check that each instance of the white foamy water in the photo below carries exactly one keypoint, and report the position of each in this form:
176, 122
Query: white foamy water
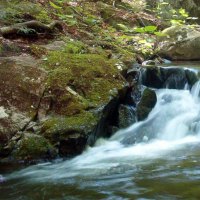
173, 124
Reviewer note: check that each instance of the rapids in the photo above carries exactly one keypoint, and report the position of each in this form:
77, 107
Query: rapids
158, 158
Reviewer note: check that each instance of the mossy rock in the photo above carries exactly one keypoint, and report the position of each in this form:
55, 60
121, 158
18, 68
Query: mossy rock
80, 81
33, 147
69, 134
58, 128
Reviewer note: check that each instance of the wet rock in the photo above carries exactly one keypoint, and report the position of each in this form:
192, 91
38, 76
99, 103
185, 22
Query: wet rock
168, 77
152, 77
108, 119
73, 145
140, 133
175, 78
129, 95
127, 116
192, 77
134, 73
146, 104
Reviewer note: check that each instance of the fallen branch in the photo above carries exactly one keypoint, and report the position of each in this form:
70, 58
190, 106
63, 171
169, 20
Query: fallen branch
30, 28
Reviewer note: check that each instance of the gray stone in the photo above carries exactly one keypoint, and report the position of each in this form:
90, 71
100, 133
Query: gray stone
181, 42
22, 87
55, 46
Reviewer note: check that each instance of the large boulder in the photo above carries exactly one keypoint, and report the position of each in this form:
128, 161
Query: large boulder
56, 100
21, 90
181, 42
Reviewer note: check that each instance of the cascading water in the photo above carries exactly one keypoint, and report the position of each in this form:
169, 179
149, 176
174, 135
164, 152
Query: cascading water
140, 162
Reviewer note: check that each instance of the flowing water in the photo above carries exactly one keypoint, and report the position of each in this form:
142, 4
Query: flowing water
163, 164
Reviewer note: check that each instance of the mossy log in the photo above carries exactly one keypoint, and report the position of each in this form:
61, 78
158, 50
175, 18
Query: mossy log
30, 28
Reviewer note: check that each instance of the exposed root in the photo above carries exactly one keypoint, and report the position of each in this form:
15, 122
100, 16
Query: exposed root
30, 28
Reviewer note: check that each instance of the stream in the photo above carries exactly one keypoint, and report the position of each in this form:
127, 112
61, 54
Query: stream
165, 164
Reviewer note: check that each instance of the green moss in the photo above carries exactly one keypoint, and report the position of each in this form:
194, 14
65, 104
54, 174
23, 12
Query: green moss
75, 47
86, 118
69, 104
34, 147
127, 55
58, 128
80, 80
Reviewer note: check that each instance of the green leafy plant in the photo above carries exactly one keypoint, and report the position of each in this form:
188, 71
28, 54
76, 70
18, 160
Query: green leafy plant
146, 29
54, 5
167, 13
26, 31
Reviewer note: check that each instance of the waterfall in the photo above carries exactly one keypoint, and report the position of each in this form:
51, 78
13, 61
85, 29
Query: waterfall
173, 123
196, 90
